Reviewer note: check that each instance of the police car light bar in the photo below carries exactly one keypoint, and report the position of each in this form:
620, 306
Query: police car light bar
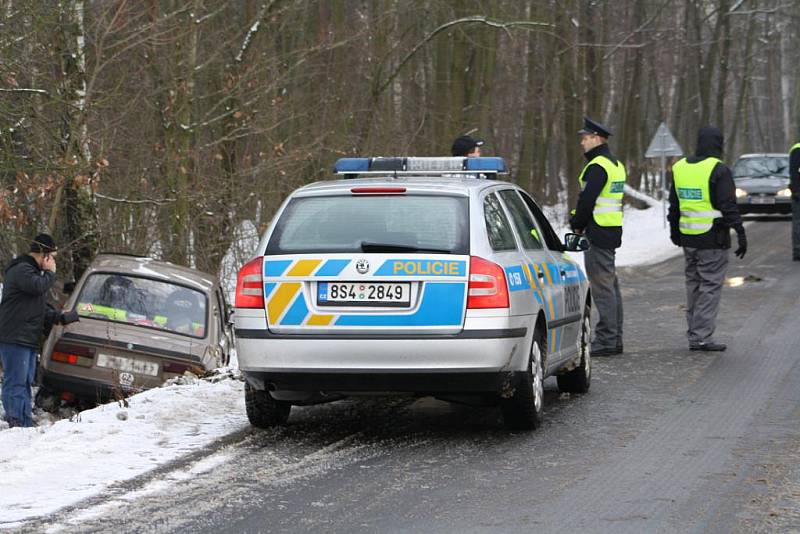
424, 166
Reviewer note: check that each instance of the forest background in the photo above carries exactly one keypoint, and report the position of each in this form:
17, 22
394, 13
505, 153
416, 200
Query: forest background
175, 128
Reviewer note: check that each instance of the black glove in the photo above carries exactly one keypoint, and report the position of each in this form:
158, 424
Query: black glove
69, 317
676, 239
742, 240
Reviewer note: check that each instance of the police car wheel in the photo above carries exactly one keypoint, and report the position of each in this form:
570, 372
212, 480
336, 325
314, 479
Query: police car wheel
524, 409
579, 379
262, 410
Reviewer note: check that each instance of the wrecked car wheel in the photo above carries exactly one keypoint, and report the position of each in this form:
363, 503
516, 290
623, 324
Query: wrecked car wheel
47, 400
579, 379
524, 409
262, 410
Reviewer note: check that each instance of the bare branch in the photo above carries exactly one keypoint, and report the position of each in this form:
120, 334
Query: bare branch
644, 25
159, 202
248, 38
25, 90
379, 88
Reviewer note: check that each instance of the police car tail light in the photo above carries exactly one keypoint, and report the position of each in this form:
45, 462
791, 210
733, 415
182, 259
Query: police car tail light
250, 285
487, 285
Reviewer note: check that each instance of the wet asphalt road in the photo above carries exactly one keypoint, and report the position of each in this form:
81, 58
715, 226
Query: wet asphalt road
667, 440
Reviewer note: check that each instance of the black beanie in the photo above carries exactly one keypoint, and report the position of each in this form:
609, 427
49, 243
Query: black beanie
43, 243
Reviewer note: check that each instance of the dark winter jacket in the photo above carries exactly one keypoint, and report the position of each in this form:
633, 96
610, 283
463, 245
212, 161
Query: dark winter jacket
794, 173
24, 309
595, 178
723, 197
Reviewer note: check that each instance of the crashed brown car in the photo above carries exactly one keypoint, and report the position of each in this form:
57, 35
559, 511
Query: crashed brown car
142, 322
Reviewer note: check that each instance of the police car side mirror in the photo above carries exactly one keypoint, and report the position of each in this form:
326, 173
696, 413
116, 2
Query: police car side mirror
575, 243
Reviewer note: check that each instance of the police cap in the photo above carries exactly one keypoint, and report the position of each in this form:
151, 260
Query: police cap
594, 127
464, 145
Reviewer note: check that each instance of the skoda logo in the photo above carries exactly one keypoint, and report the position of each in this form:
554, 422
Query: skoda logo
362, 266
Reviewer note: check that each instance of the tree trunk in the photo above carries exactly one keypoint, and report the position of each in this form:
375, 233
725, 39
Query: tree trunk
80, 230
571, 105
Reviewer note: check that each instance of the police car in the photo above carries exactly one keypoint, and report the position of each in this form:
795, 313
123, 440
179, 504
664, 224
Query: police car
412, 275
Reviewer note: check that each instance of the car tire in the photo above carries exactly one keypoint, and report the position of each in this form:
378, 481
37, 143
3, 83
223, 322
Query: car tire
262, 410
47, 400
579, 379
524, 409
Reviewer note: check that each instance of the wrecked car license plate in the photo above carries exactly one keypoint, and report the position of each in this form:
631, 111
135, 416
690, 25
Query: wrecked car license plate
130, 365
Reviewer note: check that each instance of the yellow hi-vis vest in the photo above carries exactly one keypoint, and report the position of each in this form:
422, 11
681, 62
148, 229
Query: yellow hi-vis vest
608, 207
691, 181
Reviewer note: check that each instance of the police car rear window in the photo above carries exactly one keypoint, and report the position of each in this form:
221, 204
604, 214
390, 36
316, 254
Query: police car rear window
380, 223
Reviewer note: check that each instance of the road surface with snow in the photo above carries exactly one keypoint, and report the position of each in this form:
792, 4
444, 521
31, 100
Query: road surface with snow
667, 439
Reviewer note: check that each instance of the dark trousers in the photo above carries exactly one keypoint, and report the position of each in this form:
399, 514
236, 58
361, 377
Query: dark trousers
602, 273
796, 228
705, 275
19, 371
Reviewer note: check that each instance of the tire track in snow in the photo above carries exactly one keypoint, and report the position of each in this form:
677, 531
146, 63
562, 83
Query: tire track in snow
276, 459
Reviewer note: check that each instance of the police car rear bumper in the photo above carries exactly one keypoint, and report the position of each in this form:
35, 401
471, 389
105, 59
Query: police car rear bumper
419, 383
378, 361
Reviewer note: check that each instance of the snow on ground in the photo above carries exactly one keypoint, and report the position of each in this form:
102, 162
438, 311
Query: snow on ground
48, 467
58, 464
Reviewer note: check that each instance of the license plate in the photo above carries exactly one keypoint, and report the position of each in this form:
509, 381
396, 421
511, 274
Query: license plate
762, 200
129, 365
382, 294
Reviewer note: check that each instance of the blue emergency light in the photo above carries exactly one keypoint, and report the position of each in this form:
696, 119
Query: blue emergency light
350, 165
497, 165
420, 166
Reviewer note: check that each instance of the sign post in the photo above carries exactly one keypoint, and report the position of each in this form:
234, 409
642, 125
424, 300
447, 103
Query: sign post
663, 145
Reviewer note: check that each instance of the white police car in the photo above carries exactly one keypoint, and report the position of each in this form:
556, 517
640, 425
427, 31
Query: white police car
412, 275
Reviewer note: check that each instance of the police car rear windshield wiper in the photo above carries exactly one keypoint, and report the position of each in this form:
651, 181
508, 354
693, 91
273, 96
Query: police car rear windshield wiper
367, 246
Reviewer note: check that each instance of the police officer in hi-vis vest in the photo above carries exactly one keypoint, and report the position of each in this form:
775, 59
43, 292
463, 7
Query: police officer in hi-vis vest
702, 211
598, 215
794, 185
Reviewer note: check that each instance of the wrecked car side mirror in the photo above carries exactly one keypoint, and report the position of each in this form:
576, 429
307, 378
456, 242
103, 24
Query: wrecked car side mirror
69, 287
